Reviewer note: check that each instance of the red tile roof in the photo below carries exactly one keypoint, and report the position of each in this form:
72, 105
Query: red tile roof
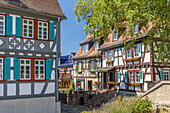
50, 7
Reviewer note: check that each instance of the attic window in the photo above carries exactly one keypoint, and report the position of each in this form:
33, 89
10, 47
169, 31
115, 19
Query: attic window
115, 35
16, 3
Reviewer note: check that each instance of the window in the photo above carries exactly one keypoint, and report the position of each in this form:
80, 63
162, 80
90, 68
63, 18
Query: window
131, 76
25, 69
86, 47
82, 49
129, 53
110, 55
136, 51
27, 28
42, 30
136, 28
166, 75
137, 76
79, 67
2, 25
96, 46
39, 69
1, 69
115, 35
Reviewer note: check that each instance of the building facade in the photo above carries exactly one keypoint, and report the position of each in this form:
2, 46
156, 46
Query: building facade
85, 63
28, 31
132, 69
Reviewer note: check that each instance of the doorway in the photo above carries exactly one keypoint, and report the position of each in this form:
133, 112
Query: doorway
89, 85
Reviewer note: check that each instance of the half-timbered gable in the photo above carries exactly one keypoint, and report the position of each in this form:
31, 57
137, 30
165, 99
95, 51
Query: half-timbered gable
28, 31
85, 63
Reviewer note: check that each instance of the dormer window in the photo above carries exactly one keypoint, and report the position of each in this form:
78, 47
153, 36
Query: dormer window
96, 46
136, 28
2, 25
85, 48
115, 35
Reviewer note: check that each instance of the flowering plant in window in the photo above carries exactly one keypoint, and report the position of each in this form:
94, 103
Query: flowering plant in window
131, 59
97, 82
91, 71
108, 62
111, 82
133, 84
79, 72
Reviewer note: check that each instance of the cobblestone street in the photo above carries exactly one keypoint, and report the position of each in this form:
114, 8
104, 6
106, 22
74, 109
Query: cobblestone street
74, 108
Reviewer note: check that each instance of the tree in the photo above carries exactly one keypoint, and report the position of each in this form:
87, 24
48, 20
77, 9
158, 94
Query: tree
152, 16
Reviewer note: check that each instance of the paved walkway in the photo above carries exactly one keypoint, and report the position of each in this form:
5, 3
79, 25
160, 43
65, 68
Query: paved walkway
74, 108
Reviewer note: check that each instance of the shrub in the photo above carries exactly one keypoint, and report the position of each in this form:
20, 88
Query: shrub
142, 106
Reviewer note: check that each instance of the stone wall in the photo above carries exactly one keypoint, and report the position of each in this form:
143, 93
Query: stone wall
74, 99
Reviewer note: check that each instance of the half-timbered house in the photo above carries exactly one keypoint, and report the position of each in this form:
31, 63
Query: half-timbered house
85, 62
132, 69
28, 31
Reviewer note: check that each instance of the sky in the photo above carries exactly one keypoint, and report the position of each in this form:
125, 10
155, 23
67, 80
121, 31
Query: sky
72, 34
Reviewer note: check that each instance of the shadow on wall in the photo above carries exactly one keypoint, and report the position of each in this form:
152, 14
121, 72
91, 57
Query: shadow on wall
16, 3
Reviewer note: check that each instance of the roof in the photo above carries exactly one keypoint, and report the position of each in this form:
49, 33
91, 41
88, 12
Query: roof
64, 57
50, 7
67, 63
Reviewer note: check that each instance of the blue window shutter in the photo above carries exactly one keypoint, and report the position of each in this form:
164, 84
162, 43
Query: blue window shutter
7, 69
126, 77
113, 55
119, 77
48, 69
124, 54
141, 77
16, 69
51, 31
140, 50
9, 25
161, 75
18, 27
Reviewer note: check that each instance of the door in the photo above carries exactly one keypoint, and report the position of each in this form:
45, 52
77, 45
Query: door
89, 85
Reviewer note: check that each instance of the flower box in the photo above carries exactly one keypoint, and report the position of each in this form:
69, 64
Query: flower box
111, 82
92, 71
131, 59
108, 62
133, 84
97, 82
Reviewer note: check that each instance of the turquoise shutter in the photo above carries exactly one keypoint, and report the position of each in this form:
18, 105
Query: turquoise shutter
7, 69
119, 77
126, 77
18, 27
141, 77
51, 31
9, 25
16, 69
113, 55
48, 69
161, 75
89, 65
77, 67
140, 50
124, 54
106, 55
95, 65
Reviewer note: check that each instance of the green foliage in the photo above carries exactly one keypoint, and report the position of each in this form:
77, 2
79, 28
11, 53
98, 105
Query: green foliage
71, 86
142, 106
149, 14
125, 105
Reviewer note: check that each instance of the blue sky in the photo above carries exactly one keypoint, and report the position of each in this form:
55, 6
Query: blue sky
71, 32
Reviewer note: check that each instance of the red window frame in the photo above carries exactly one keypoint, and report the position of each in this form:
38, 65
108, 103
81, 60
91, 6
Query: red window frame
133, 75
3, 69
5, 25
33, 69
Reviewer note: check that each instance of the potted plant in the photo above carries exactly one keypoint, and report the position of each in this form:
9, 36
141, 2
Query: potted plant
75, 92
91, 71
97, 82
108, 62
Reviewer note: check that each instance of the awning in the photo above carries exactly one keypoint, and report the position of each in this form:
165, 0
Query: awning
105, 69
